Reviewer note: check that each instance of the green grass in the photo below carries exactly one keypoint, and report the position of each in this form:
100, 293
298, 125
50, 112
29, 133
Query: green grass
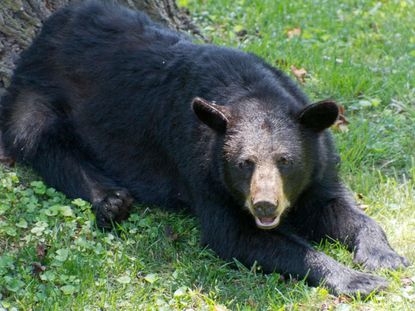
362, 53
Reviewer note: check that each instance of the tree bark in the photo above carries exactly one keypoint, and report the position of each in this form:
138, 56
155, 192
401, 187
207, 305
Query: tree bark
20, 20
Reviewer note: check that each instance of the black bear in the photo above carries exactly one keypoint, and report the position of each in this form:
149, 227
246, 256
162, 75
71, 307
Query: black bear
108, 106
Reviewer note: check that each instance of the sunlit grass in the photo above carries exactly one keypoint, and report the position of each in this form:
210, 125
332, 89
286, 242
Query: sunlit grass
361, 53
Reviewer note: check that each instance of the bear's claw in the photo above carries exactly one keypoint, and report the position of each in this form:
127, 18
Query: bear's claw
358, 283
114, 207
379, 258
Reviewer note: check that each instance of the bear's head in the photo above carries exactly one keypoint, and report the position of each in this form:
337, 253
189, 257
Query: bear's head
269, 155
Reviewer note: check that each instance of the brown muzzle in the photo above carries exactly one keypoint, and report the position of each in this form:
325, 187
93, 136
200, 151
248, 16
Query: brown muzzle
268, 200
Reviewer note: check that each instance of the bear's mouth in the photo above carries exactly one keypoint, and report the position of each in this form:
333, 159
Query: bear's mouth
267, 222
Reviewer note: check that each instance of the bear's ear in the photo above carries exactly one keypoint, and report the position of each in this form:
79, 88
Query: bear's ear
214, 116
320, 115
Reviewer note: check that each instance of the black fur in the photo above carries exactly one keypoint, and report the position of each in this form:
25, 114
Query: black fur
107, 105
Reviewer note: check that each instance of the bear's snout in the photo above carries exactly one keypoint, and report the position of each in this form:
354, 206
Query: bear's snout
267, 200
266, 214
265, 208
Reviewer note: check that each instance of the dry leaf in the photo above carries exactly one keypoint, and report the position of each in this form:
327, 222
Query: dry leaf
341, 123
295, 32
37, 268
41, 251
299, 73
341, 299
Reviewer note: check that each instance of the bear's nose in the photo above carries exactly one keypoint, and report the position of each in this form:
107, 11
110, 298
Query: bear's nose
265, 208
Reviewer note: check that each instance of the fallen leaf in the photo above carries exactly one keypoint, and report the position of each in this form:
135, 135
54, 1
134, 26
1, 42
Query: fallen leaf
295, 32
341, 123
299, 73
41, 251
341, 299
37, 268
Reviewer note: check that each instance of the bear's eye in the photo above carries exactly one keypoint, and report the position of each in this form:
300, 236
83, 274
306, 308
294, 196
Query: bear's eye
246, 164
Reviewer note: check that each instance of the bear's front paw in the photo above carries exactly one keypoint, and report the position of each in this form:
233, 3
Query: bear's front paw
379, 258
114, 207
355, 283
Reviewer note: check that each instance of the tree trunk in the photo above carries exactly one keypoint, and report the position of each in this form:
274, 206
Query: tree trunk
21, 19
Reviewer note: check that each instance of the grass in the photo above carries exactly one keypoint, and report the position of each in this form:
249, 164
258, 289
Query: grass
362, 53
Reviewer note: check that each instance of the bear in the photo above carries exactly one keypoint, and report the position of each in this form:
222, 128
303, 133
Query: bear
111, 107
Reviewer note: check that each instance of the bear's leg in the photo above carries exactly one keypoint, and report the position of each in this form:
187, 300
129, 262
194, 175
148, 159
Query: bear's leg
337, 216
66, 166
36, 134
231, 235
